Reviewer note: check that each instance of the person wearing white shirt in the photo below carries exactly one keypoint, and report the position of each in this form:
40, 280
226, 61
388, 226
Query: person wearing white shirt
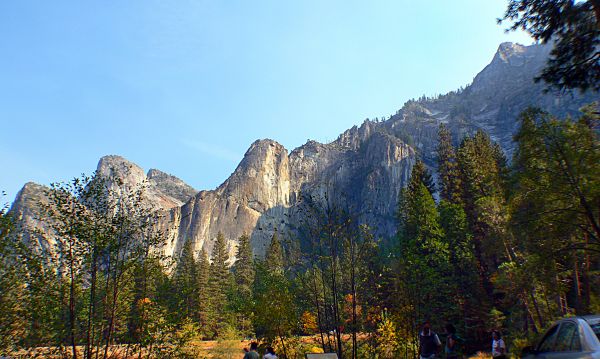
270, 354
498, 346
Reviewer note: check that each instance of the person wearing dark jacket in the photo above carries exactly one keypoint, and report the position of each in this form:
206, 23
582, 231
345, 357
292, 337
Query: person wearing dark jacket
452, 343
252, 354
429, 342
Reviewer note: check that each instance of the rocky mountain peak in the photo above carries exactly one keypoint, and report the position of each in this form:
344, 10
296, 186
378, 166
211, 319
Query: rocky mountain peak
120, 166
260, 148
30, 192
161, 189
170, 185
262, 177
513, 66
27, 213
509, 52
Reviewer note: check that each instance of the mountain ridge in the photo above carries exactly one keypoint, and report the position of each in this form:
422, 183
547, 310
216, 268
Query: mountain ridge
363, 169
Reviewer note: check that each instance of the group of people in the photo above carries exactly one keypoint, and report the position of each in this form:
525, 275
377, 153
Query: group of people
430, 344
252, 353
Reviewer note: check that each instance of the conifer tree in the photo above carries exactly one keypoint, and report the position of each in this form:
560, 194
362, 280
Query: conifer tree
480, 162
448, 167
556, 179
467, 290
204, 294
421, 174
219, 283
242, 299
244, 265
423, 256
274, 257
186, 282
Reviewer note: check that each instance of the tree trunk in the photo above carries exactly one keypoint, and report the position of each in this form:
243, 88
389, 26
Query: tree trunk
72, 300
91, 308
319, 322
596, 6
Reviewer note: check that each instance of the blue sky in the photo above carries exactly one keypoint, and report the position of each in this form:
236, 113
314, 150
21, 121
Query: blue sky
186, 86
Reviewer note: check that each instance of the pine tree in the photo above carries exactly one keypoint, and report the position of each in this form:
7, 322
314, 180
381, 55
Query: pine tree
203, 265
244, 272
220, 284
420, 174
556, 180
448, 167
244, 266
423, 256
465, 285
482, 177
274, 258
186, 283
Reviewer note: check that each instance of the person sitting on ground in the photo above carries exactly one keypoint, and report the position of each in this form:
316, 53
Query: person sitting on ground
270, 354
429, 342
252, 354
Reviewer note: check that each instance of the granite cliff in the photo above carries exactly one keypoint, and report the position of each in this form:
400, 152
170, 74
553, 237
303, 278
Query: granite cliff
362, 171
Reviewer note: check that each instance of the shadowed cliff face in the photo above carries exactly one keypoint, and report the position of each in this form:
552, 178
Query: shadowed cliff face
361, 172
265, 192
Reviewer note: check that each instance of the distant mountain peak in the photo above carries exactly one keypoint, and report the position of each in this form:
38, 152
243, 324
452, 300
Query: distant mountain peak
508, 50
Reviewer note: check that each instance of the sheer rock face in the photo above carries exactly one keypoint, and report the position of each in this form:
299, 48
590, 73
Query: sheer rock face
34, 228
259, 183
361, 172
162, 190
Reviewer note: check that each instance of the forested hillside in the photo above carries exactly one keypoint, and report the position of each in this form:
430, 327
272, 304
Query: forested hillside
509, 246
474, 211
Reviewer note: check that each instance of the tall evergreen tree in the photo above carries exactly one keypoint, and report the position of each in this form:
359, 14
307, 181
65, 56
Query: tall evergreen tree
421, 174
450, 183
220, 284
204, 292
186, 283
480, 163
244, 265
556, 181
472, 306
242, 299
274, 257
423, 259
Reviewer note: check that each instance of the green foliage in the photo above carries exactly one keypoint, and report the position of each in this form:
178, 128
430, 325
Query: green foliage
423, 263
274, 258
12, 291
450, 181
421, 175
556, 181
506, 247
275, 309
219, 284
185, 283
204, 295
244, 266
